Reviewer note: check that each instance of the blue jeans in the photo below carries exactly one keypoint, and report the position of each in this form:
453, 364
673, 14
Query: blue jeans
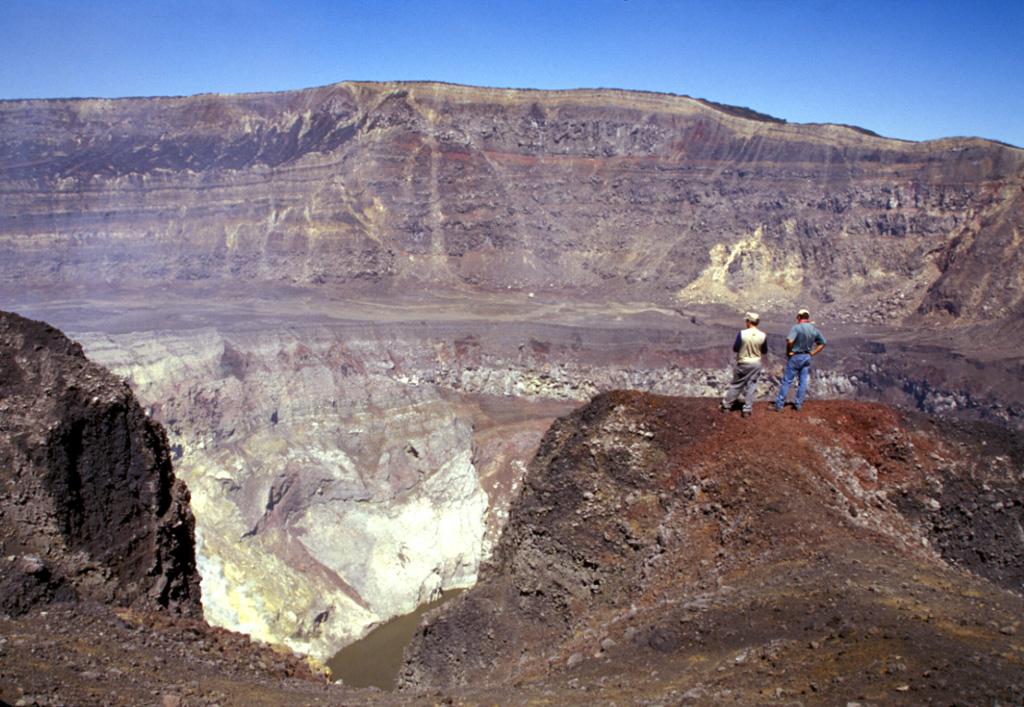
797, 364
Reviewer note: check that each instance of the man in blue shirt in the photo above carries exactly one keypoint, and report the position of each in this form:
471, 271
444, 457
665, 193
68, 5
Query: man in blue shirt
804, 340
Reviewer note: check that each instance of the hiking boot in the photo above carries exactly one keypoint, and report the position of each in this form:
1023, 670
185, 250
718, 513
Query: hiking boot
774, 408
723, 408
746, 414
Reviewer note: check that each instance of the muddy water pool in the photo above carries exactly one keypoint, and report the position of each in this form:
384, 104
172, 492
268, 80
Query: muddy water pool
375, 659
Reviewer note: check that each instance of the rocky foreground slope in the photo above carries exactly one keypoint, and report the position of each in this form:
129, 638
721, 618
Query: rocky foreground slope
660, 553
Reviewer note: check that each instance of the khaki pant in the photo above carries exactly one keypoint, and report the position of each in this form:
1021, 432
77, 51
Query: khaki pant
743, 385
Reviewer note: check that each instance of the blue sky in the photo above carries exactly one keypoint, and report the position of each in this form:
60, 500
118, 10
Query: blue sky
910, 69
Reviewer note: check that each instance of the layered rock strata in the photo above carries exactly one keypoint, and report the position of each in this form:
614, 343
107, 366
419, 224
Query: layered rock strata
609, 194
465, 196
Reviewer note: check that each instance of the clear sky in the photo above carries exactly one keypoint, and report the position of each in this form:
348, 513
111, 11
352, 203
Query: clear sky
910, 69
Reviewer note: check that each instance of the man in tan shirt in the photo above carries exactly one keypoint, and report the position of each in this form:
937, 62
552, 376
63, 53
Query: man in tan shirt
750, 345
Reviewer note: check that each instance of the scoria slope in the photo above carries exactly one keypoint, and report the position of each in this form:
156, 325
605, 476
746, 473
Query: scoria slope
661, 550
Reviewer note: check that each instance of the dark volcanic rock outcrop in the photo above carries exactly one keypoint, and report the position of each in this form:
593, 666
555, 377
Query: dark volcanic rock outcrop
89, 504
849, 552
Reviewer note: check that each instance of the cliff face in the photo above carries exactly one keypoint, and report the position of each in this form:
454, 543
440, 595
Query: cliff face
342, 475
357, 308
399, 187
845, 552
89, 504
